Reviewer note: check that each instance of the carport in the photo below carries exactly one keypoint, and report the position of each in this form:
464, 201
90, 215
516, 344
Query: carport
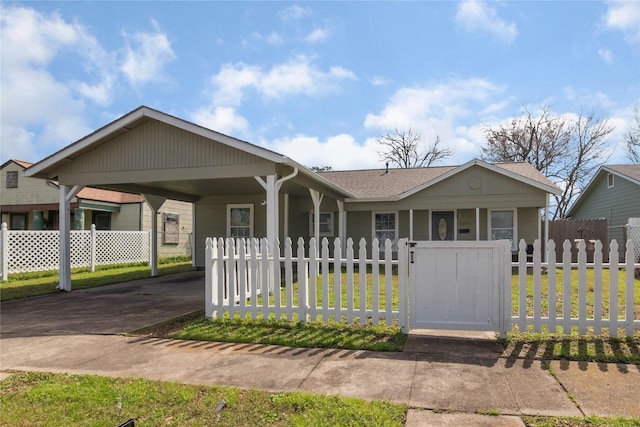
163, 157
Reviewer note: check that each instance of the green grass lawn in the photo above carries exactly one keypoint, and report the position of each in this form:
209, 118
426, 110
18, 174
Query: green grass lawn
41, 283
44, 399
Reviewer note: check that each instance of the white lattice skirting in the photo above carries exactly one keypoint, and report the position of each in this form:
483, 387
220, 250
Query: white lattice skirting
27, 251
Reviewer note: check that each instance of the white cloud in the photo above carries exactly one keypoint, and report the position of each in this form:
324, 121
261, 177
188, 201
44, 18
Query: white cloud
310, 151
378, 81
293, 13
274, 38
319, 35
145, 55
478, 16
32, 97
624, 16
296, 77
221, 119
606, 55
439, 110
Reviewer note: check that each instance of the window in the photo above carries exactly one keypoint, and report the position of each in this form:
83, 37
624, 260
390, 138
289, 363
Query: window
171, 229
503, 226
240, 220
12, 179
18, 221
102, 220
385, 226
326, 224
610, 180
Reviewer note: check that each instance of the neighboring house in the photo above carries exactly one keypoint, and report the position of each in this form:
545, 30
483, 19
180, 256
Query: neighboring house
612, 194
30, 203
240, 189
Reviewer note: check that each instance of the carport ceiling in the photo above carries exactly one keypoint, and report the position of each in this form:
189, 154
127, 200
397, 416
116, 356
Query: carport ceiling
193, 190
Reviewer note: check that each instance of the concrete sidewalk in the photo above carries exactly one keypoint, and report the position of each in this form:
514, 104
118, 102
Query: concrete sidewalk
445, 380
457, 378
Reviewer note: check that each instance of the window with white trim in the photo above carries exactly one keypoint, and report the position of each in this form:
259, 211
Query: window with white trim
610, 180
326, 224
240, 220
503, 226
385, 226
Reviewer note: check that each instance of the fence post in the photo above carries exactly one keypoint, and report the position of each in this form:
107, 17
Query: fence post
4, 248
403, 281
92, 255
208, 278
303, 277
629, 291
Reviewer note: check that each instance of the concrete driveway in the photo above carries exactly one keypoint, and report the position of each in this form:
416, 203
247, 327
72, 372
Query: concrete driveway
106, 310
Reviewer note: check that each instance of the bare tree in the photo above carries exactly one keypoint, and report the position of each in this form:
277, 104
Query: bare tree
632, 137
403, 150
565, 150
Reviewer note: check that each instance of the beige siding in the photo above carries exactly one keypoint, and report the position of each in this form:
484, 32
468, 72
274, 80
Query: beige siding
156, 145
127, 219
528, 223
30, 191
184, 211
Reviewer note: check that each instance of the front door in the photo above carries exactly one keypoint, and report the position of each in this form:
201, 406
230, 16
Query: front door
442, 225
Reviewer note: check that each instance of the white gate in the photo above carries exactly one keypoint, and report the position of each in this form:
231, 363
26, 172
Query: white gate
460, 285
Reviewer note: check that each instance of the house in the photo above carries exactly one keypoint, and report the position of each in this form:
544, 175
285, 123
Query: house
612, 194
240, 189
29, 203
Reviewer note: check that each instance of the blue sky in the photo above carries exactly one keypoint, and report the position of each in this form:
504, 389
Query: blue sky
316, 81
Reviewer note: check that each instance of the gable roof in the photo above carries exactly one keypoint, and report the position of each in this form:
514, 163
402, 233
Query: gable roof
47, 167
20, 163
140, 115
396, 184
630, 173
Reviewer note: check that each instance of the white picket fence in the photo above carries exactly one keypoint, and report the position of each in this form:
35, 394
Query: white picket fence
614, 310
244, 277
38, 250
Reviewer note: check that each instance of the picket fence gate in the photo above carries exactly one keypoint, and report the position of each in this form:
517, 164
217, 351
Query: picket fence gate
243, 276
24, 251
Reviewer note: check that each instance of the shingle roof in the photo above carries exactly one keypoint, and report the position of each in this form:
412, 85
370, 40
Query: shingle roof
379, 183
630, 171
100, 195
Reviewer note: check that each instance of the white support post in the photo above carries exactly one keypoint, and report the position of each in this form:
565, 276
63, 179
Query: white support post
193, 235
316, 197
155, 203
411, 225
477, 224
66, 194
341, 226
92, 261
546, 228
285, 221
4, 235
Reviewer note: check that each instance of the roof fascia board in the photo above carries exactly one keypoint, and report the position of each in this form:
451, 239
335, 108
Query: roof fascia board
317, 178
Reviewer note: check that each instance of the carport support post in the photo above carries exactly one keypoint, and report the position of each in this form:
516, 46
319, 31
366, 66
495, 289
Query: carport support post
155, 203
66, 194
